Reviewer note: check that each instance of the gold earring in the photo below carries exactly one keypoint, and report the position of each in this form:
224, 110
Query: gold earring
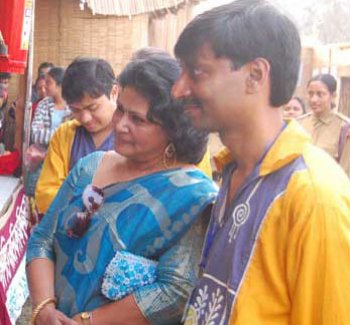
169, 155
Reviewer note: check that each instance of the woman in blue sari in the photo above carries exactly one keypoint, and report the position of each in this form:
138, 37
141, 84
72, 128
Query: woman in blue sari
121, 242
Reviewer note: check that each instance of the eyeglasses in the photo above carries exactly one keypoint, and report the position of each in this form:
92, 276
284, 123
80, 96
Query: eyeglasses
93, 198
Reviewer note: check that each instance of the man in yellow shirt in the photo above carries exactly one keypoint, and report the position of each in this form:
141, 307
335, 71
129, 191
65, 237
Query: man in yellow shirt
89, 87
277, 250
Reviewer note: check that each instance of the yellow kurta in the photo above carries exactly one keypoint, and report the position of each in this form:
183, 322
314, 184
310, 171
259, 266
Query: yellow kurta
299, 270
280, 253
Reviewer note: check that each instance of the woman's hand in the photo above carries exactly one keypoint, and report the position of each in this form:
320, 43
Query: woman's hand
34, 156
49, 315
77, 319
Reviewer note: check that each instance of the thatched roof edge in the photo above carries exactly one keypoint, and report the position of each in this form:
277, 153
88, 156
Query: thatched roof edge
132, 7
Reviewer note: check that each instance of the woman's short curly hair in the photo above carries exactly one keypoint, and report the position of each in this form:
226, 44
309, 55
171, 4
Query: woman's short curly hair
153, 78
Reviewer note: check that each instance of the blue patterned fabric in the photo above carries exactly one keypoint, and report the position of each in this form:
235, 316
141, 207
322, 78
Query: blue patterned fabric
127, 272
154, 216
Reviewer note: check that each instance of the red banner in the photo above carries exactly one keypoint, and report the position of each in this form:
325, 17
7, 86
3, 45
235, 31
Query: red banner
14, 234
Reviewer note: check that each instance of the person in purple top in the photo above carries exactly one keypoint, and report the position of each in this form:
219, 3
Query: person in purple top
90, 89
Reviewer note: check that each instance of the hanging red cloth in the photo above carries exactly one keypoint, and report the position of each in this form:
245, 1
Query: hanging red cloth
9, 163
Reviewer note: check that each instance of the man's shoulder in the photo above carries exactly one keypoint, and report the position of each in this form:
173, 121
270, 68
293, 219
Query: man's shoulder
69, 126
322, 179
64, 135
317, 193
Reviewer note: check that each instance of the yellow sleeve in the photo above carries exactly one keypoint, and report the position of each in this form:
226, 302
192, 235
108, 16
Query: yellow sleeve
318, 262
222, 158
205, 166
56, 166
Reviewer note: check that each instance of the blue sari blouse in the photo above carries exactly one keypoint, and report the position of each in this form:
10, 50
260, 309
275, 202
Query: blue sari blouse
156, 216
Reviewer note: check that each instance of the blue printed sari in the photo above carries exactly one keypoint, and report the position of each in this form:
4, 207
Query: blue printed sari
155, 216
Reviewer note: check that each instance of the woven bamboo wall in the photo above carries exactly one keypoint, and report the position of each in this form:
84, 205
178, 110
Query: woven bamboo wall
134, 7
344, 98
63, 32
46, 34
165, 29
307, 59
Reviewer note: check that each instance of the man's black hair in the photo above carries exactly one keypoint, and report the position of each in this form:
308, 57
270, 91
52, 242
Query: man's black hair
153, 78
87, 76
45, 65
245, 30
57, 74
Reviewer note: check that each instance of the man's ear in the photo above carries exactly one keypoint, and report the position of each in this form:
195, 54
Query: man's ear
114, 94
258, 75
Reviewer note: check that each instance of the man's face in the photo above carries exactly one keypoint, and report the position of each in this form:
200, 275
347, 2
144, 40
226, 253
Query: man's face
95, 114
5, 82
41, 88
51, 87
214, 93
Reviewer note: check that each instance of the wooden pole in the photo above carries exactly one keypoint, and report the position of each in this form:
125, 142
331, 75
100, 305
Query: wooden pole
28, 99
20, 112
24, 107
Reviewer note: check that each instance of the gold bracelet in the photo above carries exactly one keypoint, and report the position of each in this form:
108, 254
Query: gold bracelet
86, 315
39, 307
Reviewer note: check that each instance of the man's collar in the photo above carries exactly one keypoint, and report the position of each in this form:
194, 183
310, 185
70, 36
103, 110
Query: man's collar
287, 147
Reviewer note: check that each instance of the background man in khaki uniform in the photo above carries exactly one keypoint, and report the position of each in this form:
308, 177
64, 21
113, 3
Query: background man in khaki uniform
325, 130
323, 123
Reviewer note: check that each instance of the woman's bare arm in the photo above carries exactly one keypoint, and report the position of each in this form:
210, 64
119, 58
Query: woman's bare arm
40, 277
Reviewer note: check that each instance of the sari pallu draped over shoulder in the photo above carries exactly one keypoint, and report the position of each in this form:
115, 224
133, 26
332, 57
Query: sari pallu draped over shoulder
152, 216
